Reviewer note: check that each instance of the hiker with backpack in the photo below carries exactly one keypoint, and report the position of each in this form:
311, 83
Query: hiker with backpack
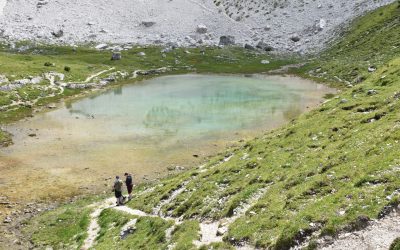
118, 190
129, 184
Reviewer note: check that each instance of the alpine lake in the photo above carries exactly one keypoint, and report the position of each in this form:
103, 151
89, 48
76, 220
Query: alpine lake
149, 129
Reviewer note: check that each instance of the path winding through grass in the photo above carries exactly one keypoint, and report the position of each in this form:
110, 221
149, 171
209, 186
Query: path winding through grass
210, 231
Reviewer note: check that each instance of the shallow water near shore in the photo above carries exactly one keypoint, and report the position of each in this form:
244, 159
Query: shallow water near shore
144, 129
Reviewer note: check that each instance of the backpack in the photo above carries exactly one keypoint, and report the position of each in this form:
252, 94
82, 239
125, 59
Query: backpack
129, 180
118, 185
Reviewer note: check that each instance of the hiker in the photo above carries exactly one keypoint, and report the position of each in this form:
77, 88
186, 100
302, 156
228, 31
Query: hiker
118, 190
129, 184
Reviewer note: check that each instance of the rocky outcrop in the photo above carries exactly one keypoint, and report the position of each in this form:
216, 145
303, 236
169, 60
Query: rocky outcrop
264, 46
151, 71
19, 83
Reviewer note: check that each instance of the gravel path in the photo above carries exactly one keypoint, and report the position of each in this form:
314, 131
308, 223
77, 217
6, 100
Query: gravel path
378, 236
213, 232
210, 232
94, 227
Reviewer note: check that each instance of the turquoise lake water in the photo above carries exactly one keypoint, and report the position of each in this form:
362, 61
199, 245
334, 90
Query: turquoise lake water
197, 105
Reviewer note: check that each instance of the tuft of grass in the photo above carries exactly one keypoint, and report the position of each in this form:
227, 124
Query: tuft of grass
184, 235
395, 244
5, 139
62, 228
149, 232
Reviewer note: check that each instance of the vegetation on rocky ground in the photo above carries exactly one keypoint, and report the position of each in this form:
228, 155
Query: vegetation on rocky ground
149, 232
395, 245
327, 171
62, 227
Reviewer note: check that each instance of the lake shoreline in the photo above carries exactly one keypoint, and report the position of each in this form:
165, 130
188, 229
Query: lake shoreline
33, 136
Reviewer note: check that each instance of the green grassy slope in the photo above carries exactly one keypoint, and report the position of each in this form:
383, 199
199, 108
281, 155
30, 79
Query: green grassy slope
324, 172
395, 245
111, 223
371, 40
62, 227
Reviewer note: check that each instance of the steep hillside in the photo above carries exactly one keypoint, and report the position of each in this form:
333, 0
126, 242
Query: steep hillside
331, 170
300, 26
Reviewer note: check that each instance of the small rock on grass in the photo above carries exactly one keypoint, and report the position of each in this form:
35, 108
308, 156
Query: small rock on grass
101, 46
7, 220
371, 69
116, 56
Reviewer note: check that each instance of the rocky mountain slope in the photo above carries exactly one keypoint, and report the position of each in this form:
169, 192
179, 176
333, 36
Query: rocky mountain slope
300, 25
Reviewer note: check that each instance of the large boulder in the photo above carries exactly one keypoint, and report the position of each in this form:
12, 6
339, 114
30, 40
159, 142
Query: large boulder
264, 46
295, 38
249, 46
201, 29
227, 40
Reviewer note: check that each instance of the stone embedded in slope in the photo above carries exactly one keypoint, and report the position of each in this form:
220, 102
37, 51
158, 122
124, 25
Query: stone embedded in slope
148, 24
116, 56
59, 33
201, 29
321, 24
295, 38
249, 47
41, 3
264, 46
227, 40
101, 46
372, 69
